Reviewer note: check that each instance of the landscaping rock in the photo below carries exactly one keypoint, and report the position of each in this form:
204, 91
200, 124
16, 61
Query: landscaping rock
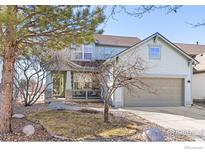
18, 116
153, 134
28, 130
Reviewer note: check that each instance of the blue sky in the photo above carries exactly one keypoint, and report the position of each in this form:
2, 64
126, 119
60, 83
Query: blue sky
173, 26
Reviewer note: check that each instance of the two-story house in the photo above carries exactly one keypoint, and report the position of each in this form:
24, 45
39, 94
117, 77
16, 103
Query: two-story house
170, 74
74, 82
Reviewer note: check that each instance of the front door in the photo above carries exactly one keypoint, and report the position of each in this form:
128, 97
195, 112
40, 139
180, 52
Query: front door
59, 84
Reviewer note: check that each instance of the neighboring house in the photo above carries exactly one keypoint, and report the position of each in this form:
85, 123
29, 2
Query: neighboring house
199, 78
170, 74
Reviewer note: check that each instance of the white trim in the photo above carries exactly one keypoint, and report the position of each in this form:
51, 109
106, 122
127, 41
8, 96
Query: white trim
177, 48
83, 46
68, 81
191, 79
82, 51
154, 46
146, 40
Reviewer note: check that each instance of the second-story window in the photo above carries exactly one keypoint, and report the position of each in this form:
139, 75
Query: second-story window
88, 50
78, 55
154, 52
83, 52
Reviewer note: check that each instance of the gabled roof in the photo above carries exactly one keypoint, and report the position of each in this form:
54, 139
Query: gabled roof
191, 49
111, 40
124, 41
150, 37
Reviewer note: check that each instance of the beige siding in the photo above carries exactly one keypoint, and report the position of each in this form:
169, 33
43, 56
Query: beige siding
161, 92
172, 64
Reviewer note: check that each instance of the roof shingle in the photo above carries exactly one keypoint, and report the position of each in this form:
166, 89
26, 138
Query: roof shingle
124, 41
191, 49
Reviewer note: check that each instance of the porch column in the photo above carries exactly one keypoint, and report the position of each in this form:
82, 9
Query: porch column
49, 89
68, 86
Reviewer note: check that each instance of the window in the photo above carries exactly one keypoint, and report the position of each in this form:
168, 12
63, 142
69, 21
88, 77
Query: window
88, 50
78, 55
84, 80
154, 53
83, 53
88, 56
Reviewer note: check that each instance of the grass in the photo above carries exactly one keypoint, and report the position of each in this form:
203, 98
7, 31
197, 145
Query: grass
81, 125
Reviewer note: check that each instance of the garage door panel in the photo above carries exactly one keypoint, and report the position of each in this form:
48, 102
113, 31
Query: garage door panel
167, 92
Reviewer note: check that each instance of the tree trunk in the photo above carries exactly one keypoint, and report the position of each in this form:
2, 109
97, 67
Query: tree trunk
6, 90
106, 111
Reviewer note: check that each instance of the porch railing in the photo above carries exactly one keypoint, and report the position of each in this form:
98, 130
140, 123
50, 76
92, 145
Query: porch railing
86, 94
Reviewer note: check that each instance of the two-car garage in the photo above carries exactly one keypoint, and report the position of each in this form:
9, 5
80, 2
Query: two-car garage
168, 75
164, 92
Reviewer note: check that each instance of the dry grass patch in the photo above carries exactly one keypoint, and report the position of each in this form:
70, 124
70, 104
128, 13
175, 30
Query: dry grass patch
119, 132
78, 125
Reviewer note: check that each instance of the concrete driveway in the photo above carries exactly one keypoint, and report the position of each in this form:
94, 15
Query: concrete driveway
187, 120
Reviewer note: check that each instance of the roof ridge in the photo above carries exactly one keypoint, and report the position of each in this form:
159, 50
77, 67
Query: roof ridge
112, 35
118, 36
190, 44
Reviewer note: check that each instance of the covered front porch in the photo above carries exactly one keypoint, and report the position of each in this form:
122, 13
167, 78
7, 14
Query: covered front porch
72, 86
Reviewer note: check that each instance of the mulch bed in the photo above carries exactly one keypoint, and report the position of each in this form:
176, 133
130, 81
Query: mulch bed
42, 135
17, 124
17, 134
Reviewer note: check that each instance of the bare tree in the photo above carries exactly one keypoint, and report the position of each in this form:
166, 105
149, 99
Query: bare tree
137, 11
117, 73
198, 24
140, 11
30, 74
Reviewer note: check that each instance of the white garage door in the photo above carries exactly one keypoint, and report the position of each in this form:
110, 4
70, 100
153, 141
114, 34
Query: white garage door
167, 92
